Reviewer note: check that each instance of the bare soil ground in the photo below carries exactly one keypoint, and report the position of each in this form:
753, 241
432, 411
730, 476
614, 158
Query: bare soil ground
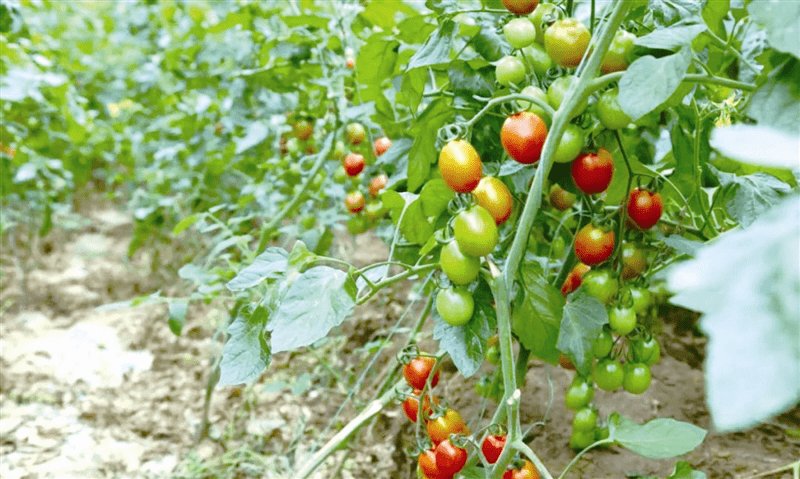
91, 393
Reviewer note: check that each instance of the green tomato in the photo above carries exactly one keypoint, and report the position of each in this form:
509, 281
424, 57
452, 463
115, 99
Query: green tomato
339, 175
603, 343
570, 145
608, 374
455, 306
557, 247
637, 378
579, 394
557, 91
476, 231
618, 55
646, 350
585, 419
509, 70
539, 94
535, 59
611, 115
544, 14
580, 440
493, 355
601, 284
641, 300
519, 32
459, 268
621, 320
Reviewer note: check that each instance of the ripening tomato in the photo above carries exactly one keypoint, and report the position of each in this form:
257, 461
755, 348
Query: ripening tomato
354, 201
566, 363
427, 464
459, 268
509, 70
450, 459
593, 245
645, 208
355, 133
574, 278
353, 164
539, 94
417, 371
377, 183
527, 471
617, 57
566, 42
610, 112
522, 136
560, 198
493, 194
381, 145
540, 17
476, 231
570, 145
455, 306
450, 422
520, 7
411, 405
492, 447
351, 62
634, 261
303, 129
519, 32
592, 172
460, 166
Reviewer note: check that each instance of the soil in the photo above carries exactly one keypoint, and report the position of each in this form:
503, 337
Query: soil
89, 390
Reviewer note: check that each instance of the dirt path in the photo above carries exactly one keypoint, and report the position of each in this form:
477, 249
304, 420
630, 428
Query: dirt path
112, 393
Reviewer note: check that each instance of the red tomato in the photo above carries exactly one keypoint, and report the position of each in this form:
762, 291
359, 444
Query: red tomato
566, 363
351, 62
353, 164
520, 7
381, 145
645, 208
492, 447
560, 198
417, 371
377, 184
593, 245
493, 194
354, 202
427, 464
449, 458
460, 166
411, 405
523, 136
574, 278
592, 172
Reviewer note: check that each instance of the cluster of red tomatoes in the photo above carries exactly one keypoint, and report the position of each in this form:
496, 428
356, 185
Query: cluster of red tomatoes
447, 431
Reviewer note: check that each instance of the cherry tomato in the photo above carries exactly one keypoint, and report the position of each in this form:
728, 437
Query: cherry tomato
610, 112
557, 247
449, 458
492, 447
440, 428
608, 374
459, 268
619, 53
527, 471
460, 166
566, 42
339, 175
634, 261
354, 201
338, 151
493, 194
411, 405
637, 378
303, 129
560, 198
355, 133
535, 59
455, 306
540, 17
351, 62
579, 394
535, 92
377, 183
574, 278
381, 145
601, 284
417, 371
585, 419
522, 136
569, 147
520, 7
557, 91
427, 464
353, 164
580, 440
519, 32
603, 343
646, 350
592, 172
374, 211
509, 70
593, 245
622, 320
645, 208
476, 231
641, 300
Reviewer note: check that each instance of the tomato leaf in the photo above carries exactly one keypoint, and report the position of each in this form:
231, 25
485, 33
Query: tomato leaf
246, 353
583, 317
755, 194
177, 315
746, 143
537, 313
376, 59
746, 284
436, 49
776, 103
780, 22
673, 37
658, 439
435, 196
316, 302
271, 264
648, 82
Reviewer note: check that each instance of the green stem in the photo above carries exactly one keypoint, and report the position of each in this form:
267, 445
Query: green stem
580, 454
727, 46
601, 82
398, 277
624, 207
521, 368
502, 99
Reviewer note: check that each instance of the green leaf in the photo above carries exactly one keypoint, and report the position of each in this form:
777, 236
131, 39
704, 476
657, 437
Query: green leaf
536, 316
316, 302
658, 439
776, 103
376, 60
746, 143
435, 197
177, 315
312, 21
420, 157
383, 14
246, 353
582, 319
413, 87
755, 194
780, 21
256, 133
436, 49
648, 82
746, 284
185, 223
489, 44
671, 38
415, 225
680, 244
683, 470
271, 264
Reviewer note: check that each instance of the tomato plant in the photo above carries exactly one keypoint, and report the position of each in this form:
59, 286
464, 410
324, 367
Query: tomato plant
455, 306
593, 245
476, 231
522, 136
592, 172
460, 166
645, 208
493, 195
566, 41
